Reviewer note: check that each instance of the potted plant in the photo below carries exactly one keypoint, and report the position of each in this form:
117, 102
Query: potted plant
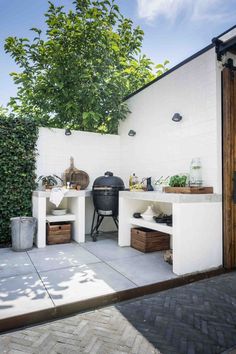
180, 184
50, 181
177, 184
178, 181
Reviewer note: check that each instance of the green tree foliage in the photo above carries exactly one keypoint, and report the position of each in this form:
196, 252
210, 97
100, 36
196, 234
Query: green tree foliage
17, 169
3, 111
77, 73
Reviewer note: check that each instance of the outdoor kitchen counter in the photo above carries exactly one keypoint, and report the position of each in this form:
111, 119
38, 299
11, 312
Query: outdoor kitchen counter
70, 193
73, 201
196, 233
172, 197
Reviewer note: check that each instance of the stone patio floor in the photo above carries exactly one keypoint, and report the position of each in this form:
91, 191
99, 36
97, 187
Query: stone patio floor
198, 318
57, 275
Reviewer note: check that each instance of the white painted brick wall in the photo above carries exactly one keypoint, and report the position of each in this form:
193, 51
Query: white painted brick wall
163, 147
92, 152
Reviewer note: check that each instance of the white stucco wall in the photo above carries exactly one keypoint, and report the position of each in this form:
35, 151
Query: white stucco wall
162, 147
92, 152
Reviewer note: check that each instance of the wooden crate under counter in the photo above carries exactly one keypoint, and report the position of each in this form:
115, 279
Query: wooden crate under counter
146, 240
58, 233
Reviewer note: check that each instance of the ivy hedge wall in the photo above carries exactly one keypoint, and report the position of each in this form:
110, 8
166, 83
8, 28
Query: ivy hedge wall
18, 138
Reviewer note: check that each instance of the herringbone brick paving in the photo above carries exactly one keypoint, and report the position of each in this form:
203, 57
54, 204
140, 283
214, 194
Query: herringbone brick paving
196, 318
101, 331
199, 318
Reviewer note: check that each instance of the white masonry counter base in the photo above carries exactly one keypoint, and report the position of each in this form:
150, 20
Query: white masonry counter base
196, 231
73, 200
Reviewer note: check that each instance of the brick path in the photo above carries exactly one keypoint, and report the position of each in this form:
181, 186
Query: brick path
198, 318
103, 331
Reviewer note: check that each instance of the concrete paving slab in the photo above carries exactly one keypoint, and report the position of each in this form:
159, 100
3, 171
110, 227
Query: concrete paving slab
108, 249
144, 269
83, 282
22, 294
14, 263
70, 273
112, 235
61, 256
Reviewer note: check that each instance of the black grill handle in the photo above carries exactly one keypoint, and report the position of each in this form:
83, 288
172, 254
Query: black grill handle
234, 187
108, 174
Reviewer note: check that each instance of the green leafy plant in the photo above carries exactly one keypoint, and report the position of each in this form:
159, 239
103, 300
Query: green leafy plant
49, 181
77, 74
178, 181
17, 169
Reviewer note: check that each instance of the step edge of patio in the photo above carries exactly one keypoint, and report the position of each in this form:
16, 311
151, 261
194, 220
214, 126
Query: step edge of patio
53, 313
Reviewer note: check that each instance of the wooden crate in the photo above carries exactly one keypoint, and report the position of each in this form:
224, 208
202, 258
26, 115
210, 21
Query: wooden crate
146, 240
58, 233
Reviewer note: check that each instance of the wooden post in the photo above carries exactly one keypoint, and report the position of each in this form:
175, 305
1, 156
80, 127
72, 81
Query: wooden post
229, 166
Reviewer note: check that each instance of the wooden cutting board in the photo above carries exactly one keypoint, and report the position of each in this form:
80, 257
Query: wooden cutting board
189, 190
76, 176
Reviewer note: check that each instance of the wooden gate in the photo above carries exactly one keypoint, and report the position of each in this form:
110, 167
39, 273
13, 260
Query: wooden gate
229, 166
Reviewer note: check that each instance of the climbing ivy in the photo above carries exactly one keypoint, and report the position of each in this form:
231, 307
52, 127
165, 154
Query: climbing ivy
18, 138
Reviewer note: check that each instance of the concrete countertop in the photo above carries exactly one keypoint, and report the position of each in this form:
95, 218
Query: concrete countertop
70, 193
172, 197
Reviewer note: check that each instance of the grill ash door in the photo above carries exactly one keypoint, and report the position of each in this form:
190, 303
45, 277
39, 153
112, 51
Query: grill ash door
106, 198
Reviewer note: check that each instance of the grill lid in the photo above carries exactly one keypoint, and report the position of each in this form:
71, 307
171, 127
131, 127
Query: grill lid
108, 180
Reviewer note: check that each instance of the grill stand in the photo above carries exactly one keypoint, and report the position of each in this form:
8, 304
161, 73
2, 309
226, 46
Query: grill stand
95, 225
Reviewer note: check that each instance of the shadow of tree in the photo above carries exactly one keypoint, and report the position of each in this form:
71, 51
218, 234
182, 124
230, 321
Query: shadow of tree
57, 274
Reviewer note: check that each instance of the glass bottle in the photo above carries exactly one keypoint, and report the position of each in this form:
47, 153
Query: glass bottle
195, 178
130, 181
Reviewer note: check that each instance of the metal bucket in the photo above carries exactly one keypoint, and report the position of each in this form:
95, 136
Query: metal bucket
22, 233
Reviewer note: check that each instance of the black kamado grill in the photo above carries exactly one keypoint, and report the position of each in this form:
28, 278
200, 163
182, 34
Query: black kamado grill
105, 199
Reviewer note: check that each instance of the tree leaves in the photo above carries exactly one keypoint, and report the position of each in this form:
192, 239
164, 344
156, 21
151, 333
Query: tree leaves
79, 71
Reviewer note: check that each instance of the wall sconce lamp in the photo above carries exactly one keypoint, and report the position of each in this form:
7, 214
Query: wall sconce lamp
67, 132
131, 132
177, 117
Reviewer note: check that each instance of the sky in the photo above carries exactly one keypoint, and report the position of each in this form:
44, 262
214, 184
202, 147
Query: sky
174, 29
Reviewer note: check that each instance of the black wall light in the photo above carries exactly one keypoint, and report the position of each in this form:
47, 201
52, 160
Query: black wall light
177, 117
67, 131
131, 132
